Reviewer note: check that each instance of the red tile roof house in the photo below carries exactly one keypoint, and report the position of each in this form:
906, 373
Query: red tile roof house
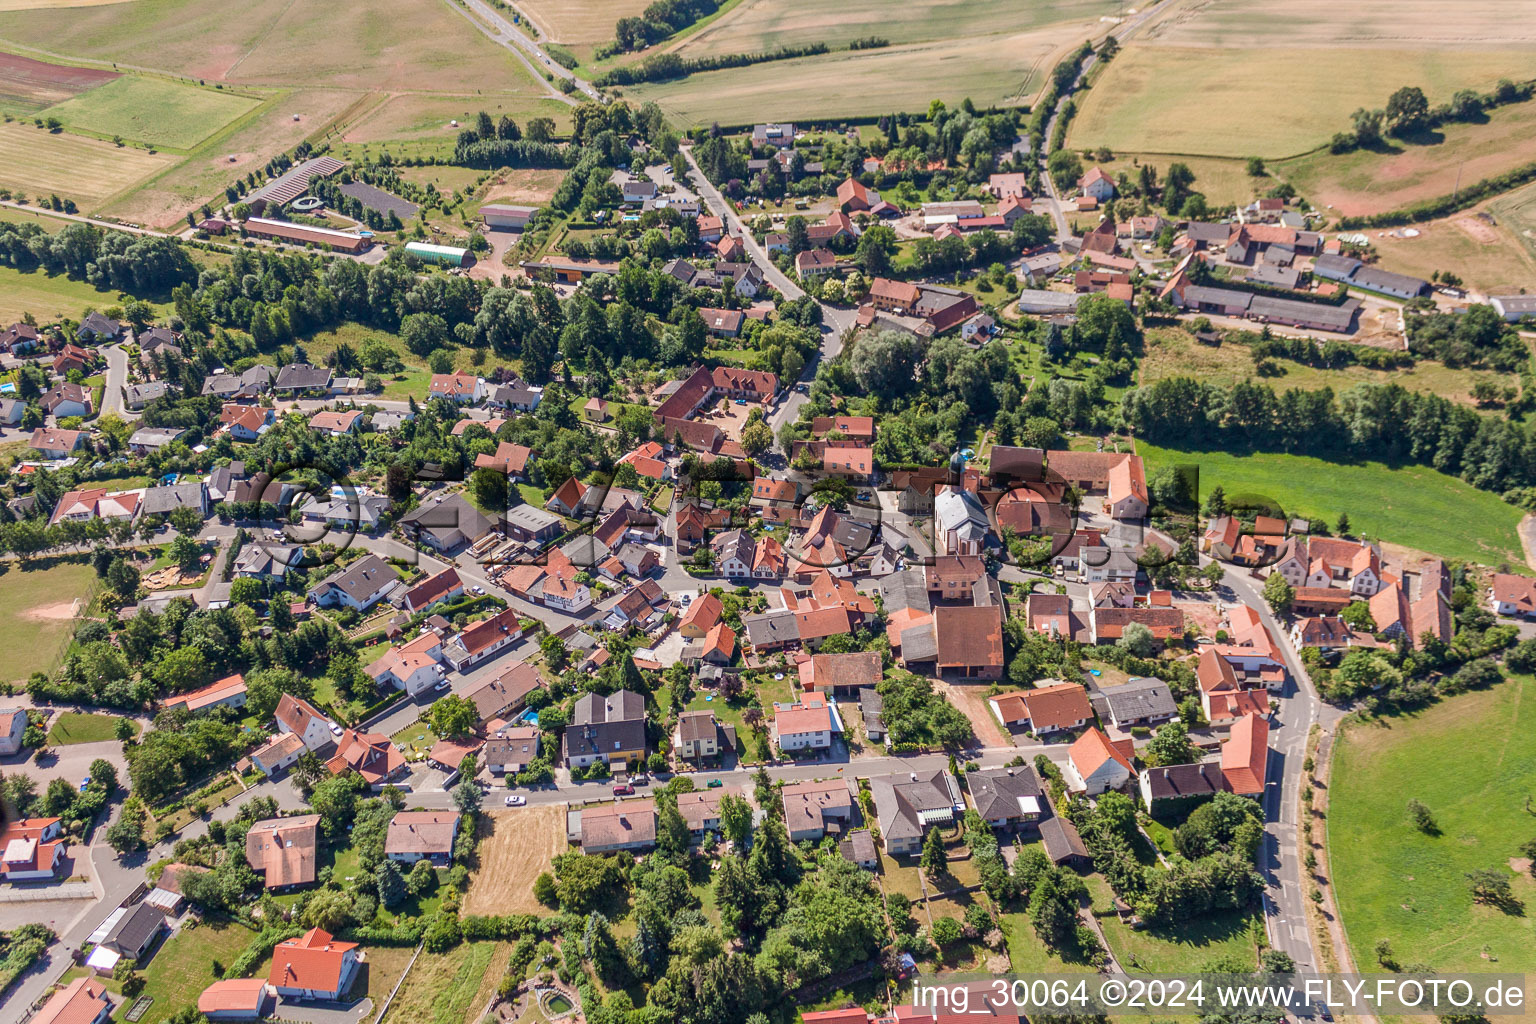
283, 850
82, 1001
511, 459
1095, 764
1059, 707
1245, 756
456, 387
445, 586
815, 263
483, 640
227, 692
371, 755
314, 967
13, 727
970, 641
414, 667
840, 673
853, 197
417, 835
298, 716
808, 725
1513, 595
336, 423
31, 848
1097, 184
1223, 695
235, 999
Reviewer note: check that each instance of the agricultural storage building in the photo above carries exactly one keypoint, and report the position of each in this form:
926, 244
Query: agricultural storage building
303, 234
446, 255
499, 215
292, 183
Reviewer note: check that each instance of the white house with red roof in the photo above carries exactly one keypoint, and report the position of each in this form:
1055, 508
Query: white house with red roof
31, 848
463, 388
1513, 595
1097, 184
415, 667
1097, 764
808, 725
13, 727
444, 586
314, 966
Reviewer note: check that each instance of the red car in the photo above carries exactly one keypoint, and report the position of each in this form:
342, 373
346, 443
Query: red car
623, 790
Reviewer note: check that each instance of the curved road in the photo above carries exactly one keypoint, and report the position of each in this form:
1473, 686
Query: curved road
496, 26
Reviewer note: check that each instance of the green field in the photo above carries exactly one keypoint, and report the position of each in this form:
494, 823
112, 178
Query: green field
1412, 506
153, 111
1278, 101
1471, 760
1516, 213
37, 614
74, 727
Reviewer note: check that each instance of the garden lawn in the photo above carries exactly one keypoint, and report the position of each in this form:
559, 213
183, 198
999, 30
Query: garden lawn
1413, 506
1470, 760
184, 966
74, 727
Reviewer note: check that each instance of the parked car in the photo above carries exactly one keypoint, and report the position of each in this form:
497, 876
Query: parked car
442, 684
516, 801
623, 790
715, 783
335, 729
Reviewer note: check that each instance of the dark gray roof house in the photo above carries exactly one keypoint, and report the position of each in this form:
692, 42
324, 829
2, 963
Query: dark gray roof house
1144, 700
1181, 781
447, 526
135, 931
905, 589
771, 630
303, 377
602, 725
165, 500
96, 327
908, 805
1007, 796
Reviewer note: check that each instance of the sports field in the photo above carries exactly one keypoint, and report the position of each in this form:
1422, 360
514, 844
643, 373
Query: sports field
1272, 102
1469, 759
995, 69
1412, 506
153, 111
756, 26
578, 21
37, 609
28, 85
88, 171
1368, 181
1483, 245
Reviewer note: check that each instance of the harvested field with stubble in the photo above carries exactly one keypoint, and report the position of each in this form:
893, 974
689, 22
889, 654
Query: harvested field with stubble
522, 842
88, 171
757, 26
1158, 98
579, 21
29, 85
996, 69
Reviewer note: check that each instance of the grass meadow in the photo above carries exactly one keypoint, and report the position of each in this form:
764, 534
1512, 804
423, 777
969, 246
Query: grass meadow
75, 727
1274, 102
184, 966
1413, 506
1407, 171
154, 111
1470, 759
49, 298
1172, 352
